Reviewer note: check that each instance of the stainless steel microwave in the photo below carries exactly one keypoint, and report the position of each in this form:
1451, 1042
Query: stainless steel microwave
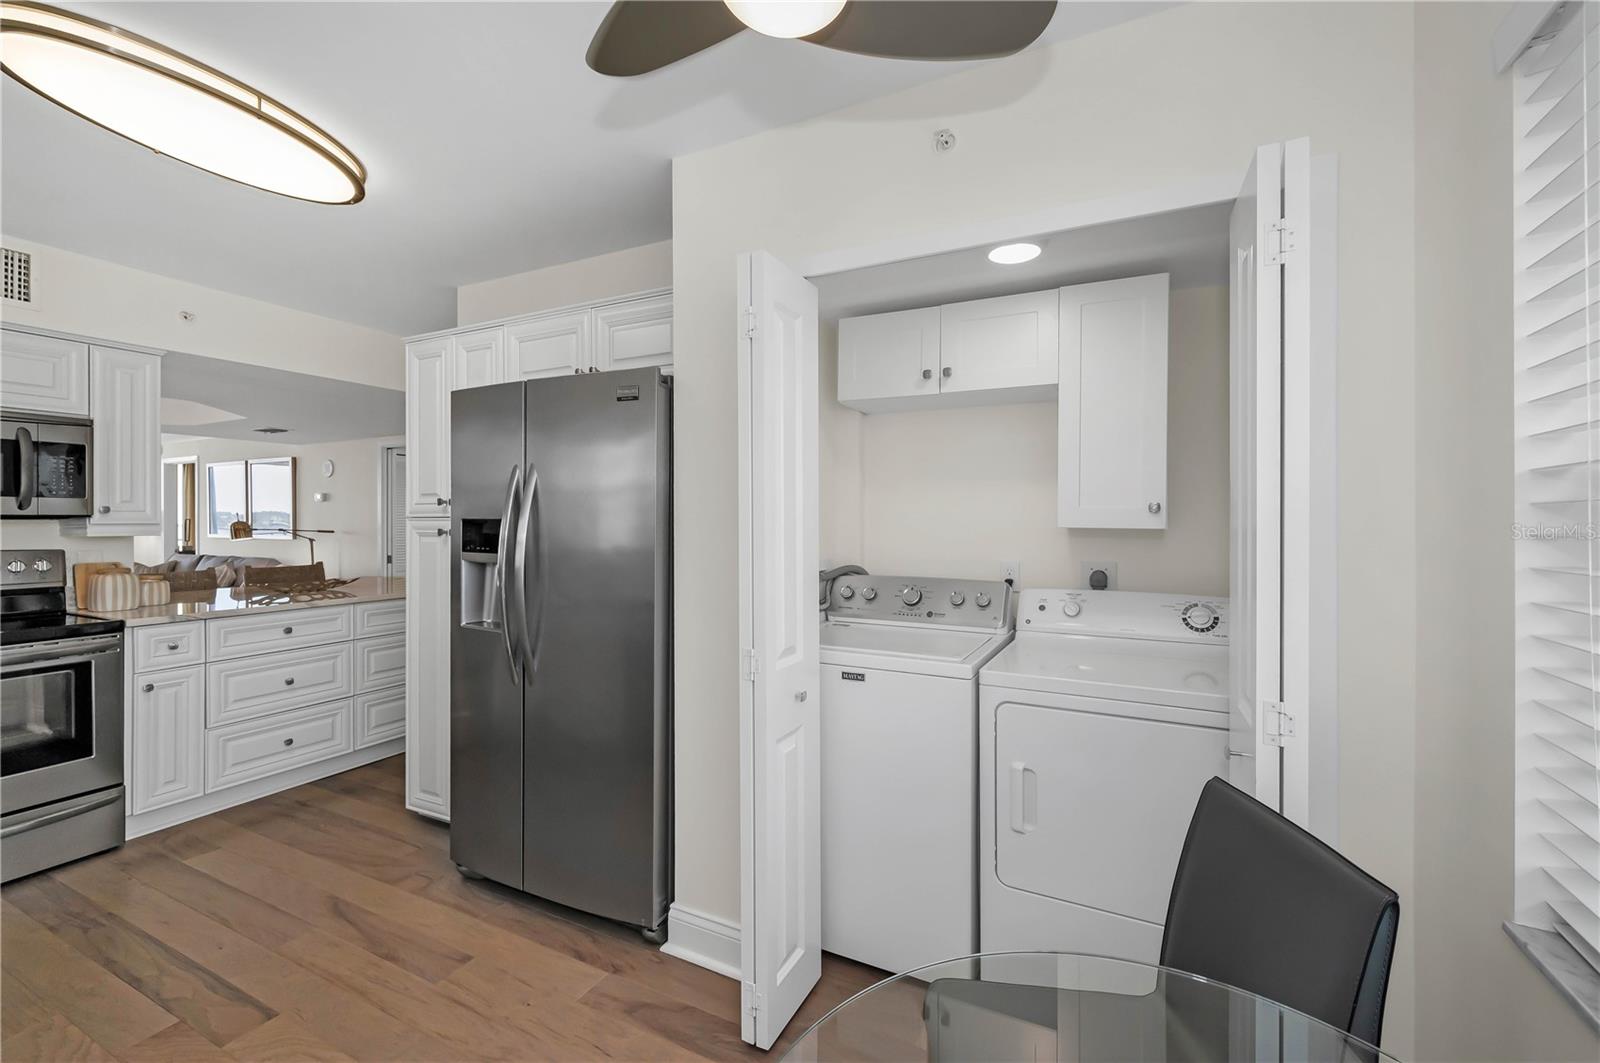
44, 467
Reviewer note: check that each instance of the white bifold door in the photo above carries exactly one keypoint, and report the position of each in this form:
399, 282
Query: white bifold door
779, 723
1270, 335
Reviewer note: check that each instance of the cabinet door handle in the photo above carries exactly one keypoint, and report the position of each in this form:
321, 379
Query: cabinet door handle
105, 509
149, 687
441, 501
289, 682
288, 631
172, 645
288, 741
927, 374
945, 372
440, 531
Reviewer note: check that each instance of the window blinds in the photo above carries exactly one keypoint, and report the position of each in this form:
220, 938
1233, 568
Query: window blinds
1557, 467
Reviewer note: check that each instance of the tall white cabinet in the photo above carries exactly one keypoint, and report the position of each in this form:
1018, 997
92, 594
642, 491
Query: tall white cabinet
616, 334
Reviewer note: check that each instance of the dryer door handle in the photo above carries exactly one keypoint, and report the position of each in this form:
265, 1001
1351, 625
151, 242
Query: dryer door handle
1024, 798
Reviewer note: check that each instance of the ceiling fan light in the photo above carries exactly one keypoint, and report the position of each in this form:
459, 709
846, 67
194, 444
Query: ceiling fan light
174, 105
786, 18
1014, 254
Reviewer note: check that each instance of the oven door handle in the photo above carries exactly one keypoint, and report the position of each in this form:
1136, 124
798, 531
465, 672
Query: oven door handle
49, 652
27, 469
19, 822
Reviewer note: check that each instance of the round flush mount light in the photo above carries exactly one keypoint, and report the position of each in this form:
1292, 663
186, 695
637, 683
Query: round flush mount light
174, 105
1014, 254
786, 18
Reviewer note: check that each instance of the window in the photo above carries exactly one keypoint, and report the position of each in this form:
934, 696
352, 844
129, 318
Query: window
1557, 490
260, 492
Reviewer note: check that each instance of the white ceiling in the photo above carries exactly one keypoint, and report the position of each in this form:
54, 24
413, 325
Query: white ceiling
1191, 245
216, 398
492, 148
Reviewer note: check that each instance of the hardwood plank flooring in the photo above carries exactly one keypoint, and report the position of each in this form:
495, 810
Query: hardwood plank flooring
328, 923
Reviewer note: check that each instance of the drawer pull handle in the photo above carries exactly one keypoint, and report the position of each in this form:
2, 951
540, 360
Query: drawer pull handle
288, 631
172, 645
149, 687
289, 682
288, 741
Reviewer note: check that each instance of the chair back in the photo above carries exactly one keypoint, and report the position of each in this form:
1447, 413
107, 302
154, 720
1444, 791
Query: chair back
1264, 906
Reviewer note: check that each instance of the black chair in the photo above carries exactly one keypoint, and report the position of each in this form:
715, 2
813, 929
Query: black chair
1262, 905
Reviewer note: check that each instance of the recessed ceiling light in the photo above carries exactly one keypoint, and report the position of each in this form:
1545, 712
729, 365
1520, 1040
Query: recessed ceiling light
1014, 254
785, 18
174, 105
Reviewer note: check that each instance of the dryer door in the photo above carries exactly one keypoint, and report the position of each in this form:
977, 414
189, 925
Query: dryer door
1092, 805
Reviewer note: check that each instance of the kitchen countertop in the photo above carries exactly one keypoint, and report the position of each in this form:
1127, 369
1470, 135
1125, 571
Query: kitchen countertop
232, 601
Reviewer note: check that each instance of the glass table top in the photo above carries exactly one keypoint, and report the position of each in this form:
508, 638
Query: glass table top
1042, 1006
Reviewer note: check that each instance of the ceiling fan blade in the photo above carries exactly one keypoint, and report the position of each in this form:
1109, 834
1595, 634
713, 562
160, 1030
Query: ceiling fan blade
639, 36
936, 29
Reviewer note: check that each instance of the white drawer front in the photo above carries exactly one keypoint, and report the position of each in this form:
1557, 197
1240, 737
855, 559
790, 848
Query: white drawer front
168, 646
259, 686
240, 636
249, 751
380, 618
380, 662
380, 716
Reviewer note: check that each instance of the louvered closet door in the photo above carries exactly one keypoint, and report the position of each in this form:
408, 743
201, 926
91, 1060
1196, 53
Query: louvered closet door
1557, 156
394, 517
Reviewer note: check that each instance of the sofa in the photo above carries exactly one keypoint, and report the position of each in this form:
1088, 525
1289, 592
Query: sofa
230, 566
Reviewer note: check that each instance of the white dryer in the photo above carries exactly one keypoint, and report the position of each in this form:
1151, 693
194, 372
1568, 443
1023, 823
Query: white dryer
900, 659
1097, 728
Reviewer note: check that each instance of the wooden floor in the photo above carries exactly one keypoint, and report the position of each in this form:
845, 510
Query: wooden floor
328, 923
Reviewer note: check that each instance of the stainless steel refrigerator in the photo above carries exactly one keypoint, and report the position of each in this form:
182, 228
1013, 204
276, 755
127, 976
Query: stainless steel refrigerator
561, 640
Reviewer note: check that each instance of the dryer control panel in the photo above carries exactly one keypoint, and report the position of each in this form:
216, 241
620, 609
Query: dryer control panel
1125, 614
986, 604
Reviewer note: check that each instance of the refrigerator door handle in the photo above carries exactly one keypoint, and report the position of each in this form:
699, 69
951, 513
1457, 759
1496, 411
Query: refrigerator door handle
529, 555
505, 579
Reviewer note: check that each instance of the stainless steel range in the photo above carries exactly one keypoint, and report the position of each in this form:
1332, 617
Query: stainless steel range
60, 720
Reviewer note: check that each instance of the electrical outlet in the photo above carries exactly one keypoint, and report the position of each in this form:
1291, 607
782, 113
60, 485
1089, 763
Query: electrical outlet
1013, 572
1108, 567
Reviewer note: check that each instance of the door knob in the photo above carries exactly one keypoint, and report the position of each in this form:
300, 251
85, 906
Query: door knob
105, 509
441, 501
1154, 507
945, 372
148, 687
927, 374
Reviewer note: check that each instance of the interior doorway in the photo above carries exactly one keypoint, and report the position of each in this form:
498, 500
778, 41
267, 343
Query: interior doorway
392, 501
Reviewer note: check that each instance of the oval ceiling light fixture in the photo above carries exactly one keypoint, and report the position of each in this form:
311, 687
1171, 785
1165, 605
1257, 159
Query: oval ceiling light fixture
1014, 254
174, 105
786, 18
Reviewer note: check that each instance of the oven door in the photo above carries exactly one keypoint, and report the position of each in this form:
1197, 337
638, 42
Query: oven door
60, 720
44, 469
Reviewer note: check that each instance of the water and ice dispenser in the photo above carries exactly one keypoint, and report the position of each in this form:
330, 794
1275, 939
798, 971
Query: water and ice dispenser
480, 574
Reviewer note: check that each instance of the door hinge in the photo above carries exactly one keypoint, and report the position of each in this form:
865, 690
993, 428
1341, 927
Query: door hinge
749, 321
752, 999
749, 664
1282, 241
1277, 723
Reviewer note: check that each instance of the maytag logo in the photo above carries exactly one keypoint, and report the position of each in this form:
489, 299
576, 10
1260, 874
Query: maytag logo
854, 677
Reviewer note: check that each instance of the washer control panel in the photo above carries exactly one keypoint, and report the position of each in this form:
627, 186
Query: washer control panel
1125, 614
922, 599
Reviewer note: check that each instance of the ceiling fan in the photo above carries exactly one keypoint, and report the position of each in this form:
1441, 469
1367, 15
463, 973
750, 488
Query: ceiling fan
639, 36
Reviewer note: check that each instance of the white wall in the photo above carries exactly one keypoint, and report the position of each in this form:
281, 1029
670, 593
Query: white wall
1478, 997
1184, 93
99, 299
587, 280
960, 492
352, 510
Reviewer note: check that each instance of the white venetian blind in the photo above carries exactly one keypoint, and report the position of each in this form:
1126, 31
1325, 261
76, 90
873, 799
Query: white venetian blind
1557, 189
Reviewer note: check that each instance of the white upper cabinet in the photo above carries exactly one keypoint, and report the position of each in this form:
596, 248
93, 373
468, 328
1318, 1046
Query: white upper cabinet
125, 405
44, 374
1007, 343
634, 334
889, 357
558, 345
428, 427
477, 358
1112, 458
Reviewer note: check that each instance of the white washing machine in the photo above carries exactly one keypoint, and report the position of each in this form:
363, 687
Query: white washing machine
1097, 728
900, 659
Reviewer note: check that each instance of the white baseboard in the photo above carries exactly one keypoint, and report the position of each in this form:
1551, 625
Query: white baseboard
703, 940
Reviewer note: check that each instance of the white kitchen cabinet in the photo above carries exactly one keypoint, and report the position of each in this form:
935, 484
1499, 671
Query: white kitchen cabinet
477, 358
428, 427
889, 357
43, 374
633, 334
428, 668
125, 405
167, 762
554, 345
1112, 457
1007, 346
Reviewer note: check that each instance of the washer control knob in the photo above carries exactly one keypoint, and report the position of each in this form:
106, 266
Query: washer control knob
847, 592
869, 593
957, 598
41, 565
910, 595
1072, 607
982, 600
1200, 617
15, 566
